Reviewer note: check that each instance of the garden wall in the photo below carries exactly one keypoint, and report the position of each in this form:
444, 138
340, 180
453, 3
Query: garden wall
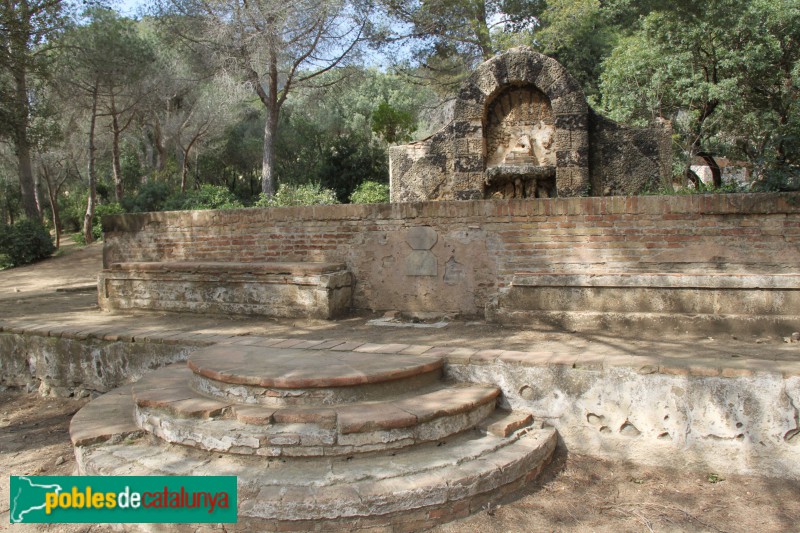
455, 257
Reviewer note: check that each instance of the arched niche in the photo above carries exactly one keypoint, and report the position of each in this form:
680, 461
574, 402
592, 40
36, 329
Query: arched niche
519, 137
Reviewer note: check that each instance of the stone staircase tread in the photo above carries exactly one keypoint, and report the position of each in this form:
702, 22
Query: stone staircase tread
168, 389
447, 401
259, 415
503, 423
291, 368
329, 489
108, 417
360, 418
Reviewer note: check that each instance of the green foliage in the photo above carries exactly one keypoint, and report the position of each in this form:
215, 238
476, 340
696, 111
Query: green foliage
337, 138
24, 242
100, 211
578, 34
393, 125
289, 195
152, 196
207, 197
726, 74
370, 192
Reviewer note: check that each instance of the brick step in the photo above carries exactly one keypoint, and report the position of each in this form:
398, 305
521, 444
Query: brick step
280, 377
169, 409
410, 489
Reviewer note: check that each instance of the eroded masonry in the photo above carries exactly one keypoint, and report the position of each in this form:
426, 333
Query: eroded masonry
521, 128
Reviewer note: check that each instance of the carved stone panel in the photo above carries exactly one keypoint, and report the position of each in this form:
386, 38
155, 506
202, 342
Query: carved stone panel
520, 129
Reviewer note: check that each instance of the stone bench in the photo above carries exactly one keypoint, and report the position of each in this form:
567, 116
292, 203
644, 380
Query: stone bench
277, 289
733, 301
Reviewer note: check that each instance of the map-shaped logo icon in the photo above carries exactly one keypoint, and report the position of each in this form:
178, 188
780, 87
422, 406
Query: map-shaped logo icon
28, 498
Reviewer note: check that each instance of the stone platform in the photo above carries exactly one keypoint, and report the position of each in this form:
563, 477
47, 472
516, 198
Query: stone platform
319, 439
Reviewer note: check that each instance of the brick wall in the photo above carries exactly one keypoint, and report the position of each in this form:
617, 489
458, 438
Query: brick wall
480, 244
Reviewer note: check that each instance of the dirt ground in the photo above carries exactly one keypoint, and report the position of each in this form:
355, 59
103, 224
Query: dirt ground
575, 493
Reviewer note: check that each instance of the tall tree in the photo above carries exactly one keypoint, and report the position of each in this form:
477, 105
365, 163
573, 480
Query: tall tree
27, 32
683, 65
274, 46
448, 38
100, 62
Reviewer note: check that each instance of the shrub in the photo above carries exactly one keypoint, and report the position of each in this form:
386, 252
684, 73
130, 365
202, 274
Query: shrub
24, 242
370, 192
288, 195
150, 197
207, 197
97, 222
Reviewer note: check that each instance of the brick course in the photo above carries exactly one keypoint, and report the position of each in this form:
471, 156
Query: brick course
489, 241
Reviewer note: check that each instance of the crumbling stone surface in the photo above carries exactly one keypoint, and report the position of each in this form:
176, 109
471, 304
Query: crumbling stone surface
704, 417
523, 108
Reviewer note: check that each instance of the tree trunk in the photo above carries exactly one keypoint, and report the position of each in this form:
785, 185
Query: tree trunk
161, 150
51, 195
270, 101
268, 161
716, 172
92, 200
115, 152
30, 200
184, 168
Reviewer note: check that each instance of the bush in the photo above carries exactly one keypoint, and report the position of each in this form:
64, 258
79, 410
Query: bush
370, 192
24, 242
289, 195
207, 197
97, 222
150, 197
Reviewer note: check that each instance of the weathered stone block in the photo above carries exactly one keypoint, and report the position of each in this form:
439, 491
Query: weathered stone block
421, 263
422, 238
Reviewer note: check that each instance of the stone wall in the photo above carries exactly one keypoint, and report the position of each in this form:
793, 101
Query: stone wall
455, 257
624, 161
741, 420
527, 103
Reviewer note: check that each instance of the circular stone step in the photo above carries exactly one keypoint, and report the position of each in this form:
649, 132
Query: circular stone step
411, 490
285, 376
166, 407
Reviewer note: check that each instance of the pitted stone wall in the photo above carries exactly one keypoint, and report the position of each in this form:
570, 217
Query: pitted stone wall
626, 160
472, 250
452, 163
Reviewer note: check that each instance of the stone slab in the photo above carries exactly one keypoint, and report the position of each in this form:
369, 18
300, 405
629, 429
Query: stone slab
293, 268
289, 368
107, 417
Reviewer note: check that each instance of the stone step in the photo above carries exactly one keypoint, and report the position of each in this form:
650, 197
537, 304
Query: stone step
166, 407
405, 490
280, 377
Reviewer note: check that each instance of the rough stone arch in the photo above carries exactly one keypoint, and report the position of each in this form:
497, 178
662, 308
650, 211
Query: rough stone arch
524, 67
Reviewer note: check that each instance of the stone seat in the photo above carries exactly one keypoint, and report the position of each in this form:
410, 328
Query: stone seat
279, 289
711, 298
